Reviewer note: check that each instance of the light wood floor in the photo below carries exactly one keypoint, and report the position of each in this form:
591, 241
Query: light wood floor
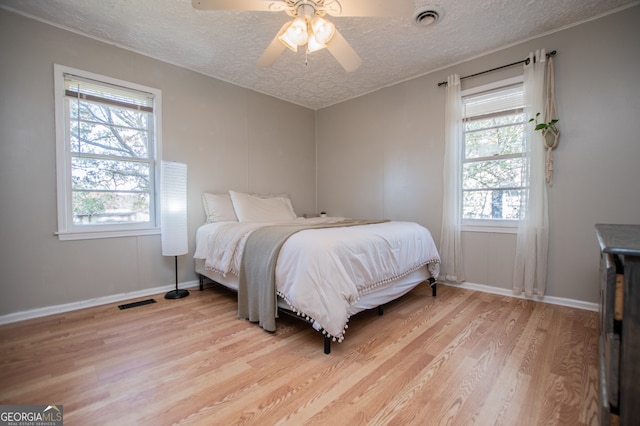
461, 358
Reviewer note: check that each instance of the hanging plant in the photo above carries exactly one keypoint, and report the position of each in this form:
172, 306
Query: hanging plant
545, 126
549, 131
550, 134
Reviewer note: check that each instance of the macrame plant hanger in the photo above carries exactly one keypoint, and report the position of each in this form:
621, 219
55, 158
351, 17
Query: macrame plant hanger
550, 134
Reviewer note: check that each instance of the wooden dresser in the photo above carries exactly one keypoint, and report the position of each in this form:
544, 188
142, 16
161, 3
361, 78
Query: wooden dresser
619, 324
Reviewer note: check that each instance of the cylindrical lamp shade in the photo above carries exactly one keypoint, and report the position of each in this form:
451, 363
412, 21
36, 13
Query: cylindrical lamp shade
173, 208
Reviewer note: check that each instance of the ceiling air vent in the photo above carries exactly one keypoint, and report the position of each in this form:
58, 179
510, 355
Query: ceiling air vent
426, 16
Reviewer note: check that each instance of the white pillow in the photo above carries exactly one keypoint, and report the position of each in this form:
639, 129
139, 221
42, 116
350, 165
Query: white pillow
218, 207
251, 208
280, 195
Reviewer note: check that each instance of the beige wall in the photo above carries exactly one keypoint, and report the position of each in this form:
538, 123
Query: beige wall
381, 155
230, 138
378, 156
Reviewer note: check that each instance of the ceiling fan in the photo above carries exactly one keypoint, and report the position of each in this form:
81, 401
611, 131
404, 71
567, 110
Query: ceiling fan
309, 27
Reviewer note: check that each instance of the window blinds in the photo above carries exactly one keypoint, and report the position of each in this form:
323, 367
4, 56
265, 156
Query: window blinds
486, 103
110, 94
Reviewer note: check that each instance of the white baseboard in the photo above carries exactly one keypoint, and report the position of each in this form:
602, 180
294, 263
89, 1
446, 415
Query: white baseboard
67, 307
572, 303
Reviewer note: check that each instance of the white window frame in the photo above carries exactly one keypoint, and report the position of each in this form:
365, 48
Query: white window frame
487, 225
67, 230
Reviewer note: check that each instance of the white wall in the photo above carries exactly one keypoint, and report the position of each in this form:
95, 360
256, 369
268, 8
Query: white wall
381, 155
230, 138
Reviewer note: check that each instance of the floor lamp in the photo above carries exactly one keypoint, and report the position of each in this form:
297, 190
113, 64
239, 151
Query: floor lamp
173, 216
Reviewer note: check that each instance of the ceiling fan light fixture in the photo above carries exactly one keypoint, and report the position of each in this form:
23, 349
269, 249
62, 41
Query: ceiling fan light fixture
286, 41
315, 32
313, 45
296, 34
323, 30
307, 27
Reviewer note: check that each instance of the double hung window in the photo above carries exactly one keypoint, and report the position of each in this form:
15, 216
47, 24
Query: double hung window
107, 147
494, 178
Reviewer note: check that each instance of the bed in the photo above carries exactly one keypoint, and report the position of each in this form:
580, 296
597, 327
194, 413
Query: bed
323, 270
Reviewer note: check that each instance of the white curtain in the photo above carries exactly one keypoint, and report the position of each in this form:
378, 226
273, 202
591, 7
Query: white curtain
530, 269
452, 268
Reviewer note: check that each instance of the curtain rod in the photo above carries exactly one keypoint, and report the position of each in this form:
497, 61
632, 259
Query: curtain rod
524, 61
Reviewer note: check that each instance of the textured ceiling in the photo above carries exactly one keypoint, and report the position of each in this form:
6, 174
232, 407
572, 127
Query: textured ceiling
227, 44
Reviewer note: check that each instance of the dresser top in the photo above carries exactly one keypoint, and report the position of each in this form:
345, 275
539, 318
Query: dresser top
619, 239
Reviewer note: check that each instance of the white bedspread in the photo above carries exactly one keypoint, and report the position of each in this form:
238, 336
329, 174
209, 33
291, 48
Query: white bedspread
321, 272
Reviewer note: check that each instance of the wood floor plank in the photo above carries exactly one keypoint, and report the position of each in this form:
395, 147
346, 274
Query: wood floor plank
462, 357
425, 392
482, 377
506, 396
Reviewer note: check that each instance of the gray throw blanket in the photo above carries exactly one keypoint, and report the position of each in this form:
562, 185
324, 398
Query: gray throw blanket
257, 297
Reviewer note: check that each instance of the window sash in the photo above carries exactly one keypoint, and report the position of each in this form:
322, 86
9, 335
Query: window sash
73, 85
115, 160
483, 105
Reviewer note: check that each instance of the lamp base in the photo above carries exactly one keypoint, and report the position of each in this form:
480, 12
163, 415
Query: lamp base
176, 294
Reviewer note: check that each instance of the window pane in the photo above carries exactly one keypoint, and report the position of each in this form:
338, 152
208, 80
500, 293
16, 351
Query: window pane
503, 173
494, 136
500, 120
109, 175
110, 208
103, 113
104, 130
492, 204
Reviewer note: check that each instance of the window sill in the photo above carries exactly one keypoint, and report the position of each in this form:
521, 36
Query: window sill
493, 229
91, 235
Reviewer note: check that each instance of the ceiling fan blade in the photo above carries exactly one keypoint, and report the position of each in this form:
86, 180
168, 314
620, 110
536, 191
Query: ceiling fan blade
399, 8
233, 4
274, 50
343, 52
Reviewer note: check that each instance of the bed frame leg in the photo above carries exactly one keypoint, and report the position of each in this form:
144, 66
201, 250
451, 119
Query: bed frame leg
433, 284
380, 310
327, 345
201, 281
